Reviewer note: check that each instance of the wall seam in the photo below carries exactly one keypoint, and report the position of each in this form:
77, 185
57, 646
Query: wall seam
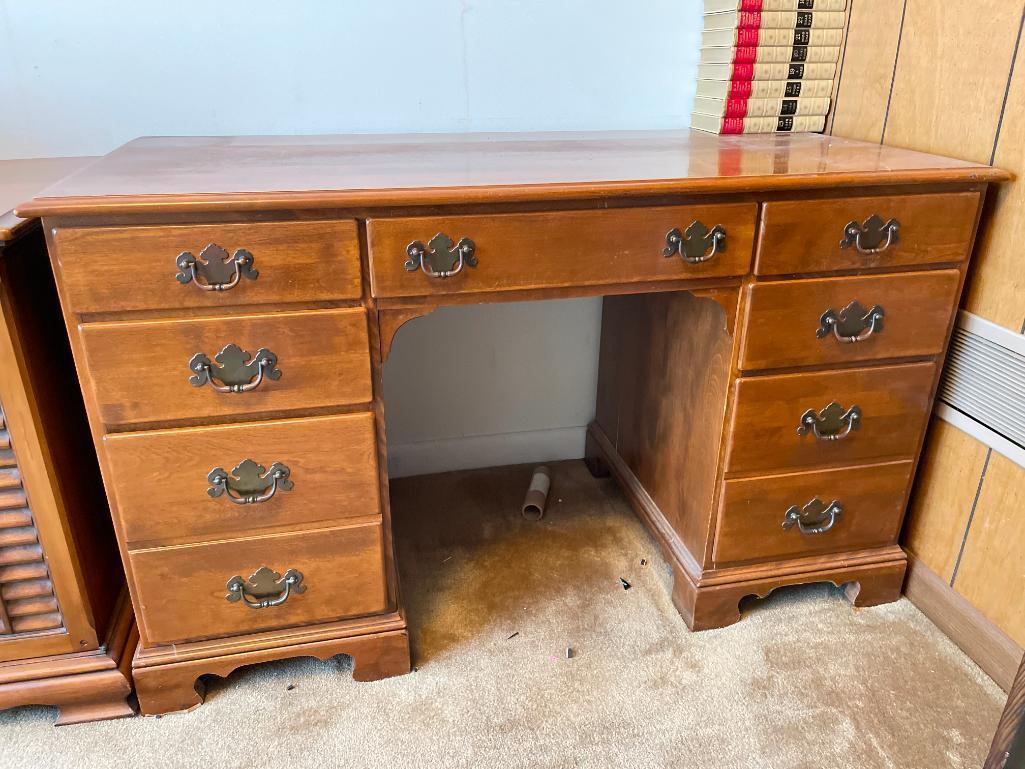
971, 517
893, 77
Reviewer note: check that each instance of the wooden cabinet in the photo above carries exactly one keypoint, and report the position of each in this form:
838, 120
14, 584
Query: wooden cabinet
66, 629
765, 429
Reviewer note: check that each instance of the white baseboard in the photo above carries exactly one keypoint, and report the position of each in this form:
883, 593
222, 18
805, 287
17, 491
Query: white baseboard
471, 451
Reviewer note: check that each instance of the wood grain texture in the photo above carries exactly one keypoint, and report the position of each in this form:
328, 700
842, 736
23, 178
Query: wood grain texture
803, 236
252, 173
992, 568
159, 478
113, 269
997, 285
663, 381
894, 401
926, 112
783, 318
1008, 748
943, 497
21, 179
978, 637
863, 90
752, 512
181, 591
142, 368
559, 248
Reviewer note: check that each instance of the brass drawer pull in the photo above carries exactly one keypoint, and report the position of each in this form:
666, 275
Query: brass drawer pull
215, 269
853, 323
236, 370
249, 483
833, 423
816, 517
697, 243
265, 588
443, 259
867, 237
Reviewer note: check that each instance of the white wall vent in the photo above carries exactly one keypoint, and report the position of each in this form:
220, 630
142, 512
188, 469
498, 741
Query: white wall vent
983, 387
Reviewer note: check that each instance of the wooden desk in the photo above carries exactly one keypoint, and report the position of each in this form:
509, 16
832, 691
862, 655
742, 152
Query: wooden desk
65, 621
777, 308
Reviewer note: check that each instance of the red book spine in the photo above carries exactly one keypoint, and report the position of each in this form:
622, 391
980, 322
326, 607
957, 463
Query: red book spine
745, 55
747, 36
735, 108
749, 19
751, 6
740, 89
733, 125
743, 71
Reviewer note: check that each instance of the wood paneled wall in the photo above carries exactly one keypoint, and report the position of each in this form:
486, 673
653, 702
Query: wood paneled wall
949, 77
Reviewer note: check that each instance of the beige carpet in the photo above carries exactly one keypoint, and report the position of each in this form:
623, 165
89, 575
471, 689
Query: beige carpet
803, 680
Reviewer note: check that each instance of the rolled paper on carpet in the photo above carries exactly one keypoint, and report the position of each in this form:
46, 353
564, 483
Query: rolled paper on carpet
537, 494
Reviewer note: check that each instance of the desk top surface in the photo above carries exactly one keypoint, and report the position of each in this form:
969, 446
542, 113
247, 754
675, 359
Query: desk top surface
21, 179
281, 172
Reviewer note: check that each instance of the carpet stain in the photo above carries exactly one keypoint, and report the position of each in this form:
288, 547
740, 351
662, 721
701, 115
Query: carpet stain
803, 681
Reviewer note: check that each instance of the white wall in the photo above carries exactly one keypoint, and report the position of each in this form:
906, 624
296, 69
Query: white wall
79, 78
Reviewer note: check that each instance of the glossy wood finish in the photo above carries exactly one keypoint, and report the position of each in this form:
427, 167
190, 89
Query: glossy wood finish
65, 633
753, 509
115, 269
551, 216
181, 591
783, 318
264, 173
559, 248
894, 402
322, 355
1008, 748
159, 478
801, 237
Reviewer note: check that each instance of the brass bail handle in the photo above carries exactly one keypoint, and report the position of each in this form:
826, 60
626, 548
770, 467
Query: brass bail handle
816, 517
872, 237
697, 243
441, 257
215, 269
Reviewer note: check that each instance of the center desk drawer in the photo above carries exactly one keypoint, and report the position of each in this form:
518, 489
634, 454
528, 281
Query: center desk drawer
116, 269
837, 417
843, 320
800, 236
558, 248
801, 514
190, 485
153, 371
182, 592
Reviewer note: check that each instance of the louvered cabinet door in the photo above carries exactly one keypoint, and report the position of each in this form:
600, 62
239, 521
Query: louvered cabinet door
28, 603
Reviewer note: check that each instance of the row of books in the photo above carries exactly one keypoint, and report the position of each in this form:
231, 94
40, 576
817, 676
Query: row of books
767, 65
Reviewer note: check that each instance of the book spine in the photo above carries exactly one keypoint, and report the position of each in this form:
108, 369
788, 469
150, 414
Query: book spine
781, 124
791, 5
798, 71
790, 20
775, 54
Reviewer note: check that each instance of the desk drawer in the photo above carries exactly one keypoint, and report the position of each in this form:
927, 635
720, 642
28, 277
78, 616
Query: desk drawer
181, 592
161, 480
114, 269
870, 508
800, 236
894, 316
142, 372
893, 403
557, 248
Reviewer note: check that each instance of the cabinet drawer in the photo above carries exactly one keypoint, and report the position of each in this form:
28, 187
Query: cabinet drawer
181, 592
142, 371
805, 235
112, 269
892, 404
557, 248
810, 322
161, 479
870, 508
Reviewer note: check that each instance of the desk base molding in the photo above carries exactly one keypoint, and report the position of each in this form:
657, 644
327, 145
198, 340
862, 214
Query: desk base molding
710, 598
178, 686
